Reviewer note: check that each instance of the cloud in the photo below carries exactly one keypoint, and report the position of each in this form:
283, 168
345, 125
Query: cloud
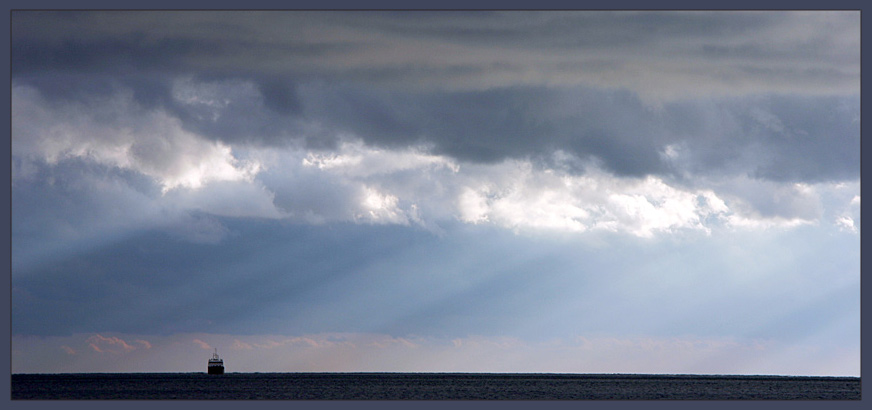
356, 183
528, 198
239, 345
78, 206
113, 344
116, 132
202, 344
105, 166
846, 223
353, 158
428, 190
686, 52
93, 201
849, 218
753, 93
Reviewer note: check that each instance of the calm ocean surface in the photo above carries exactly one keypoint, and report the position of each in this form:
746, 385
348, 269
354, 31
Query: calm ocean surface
426, 386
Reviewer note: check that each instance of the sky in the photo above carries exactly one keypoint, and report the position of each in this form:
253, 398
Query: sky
467, 191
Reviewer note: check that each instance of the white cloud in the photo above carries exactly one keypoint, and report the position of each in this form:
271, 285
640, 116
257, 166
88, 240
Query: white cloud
411, 186
116, 132
376, 207
354, 159
761, 204
118, 135
472, 205
517, 195
846, 223
849, 218
777, 222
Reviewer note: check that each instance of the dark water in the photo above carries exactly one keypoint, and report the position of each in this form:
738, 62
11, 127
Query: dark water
426, 386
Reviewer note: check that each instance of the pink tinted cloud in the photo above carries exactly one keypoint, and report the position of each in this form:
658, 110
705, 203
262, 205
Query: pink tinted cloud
102, 344
202, 344
240, 345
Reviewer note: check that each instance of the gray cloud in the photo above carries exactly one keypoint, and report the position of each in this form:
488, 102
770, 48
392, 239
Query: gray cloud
780, 138
648, 52
615, 87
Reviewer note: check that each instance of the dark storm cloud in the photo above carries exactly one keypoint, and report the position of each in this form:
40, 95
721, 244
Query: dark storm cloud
63, 88
354, 46
280, 96
601, 30
481, 86
139, 43
128, 53
783, 138
263, 111
489, 126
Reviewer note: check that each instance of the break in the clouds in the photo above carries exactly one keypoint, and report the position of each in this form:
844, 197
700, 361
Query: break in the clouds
629, 179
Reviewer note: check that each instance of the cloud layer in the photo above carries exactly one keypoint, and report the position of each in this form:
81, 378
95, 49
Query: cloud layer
624, 182
417, 185
648, 52
277, 78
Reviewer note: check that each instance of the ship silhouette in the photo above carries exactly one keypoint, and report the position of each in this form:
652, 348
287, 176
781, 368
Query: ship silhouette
216, 365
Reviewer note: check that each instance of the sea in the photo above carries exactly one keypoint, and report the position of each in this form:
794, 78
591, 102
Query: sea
426, 386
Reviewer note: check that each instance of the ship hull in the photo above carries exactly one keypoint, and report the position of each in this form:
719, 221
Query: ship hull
216, 370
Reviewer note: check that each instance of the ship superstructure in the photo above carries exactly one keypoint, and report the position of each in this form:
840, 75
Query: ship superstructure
216, 365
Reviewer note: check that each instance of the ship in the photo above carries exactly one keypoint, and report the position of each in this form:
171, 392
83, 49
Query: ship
216, 365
